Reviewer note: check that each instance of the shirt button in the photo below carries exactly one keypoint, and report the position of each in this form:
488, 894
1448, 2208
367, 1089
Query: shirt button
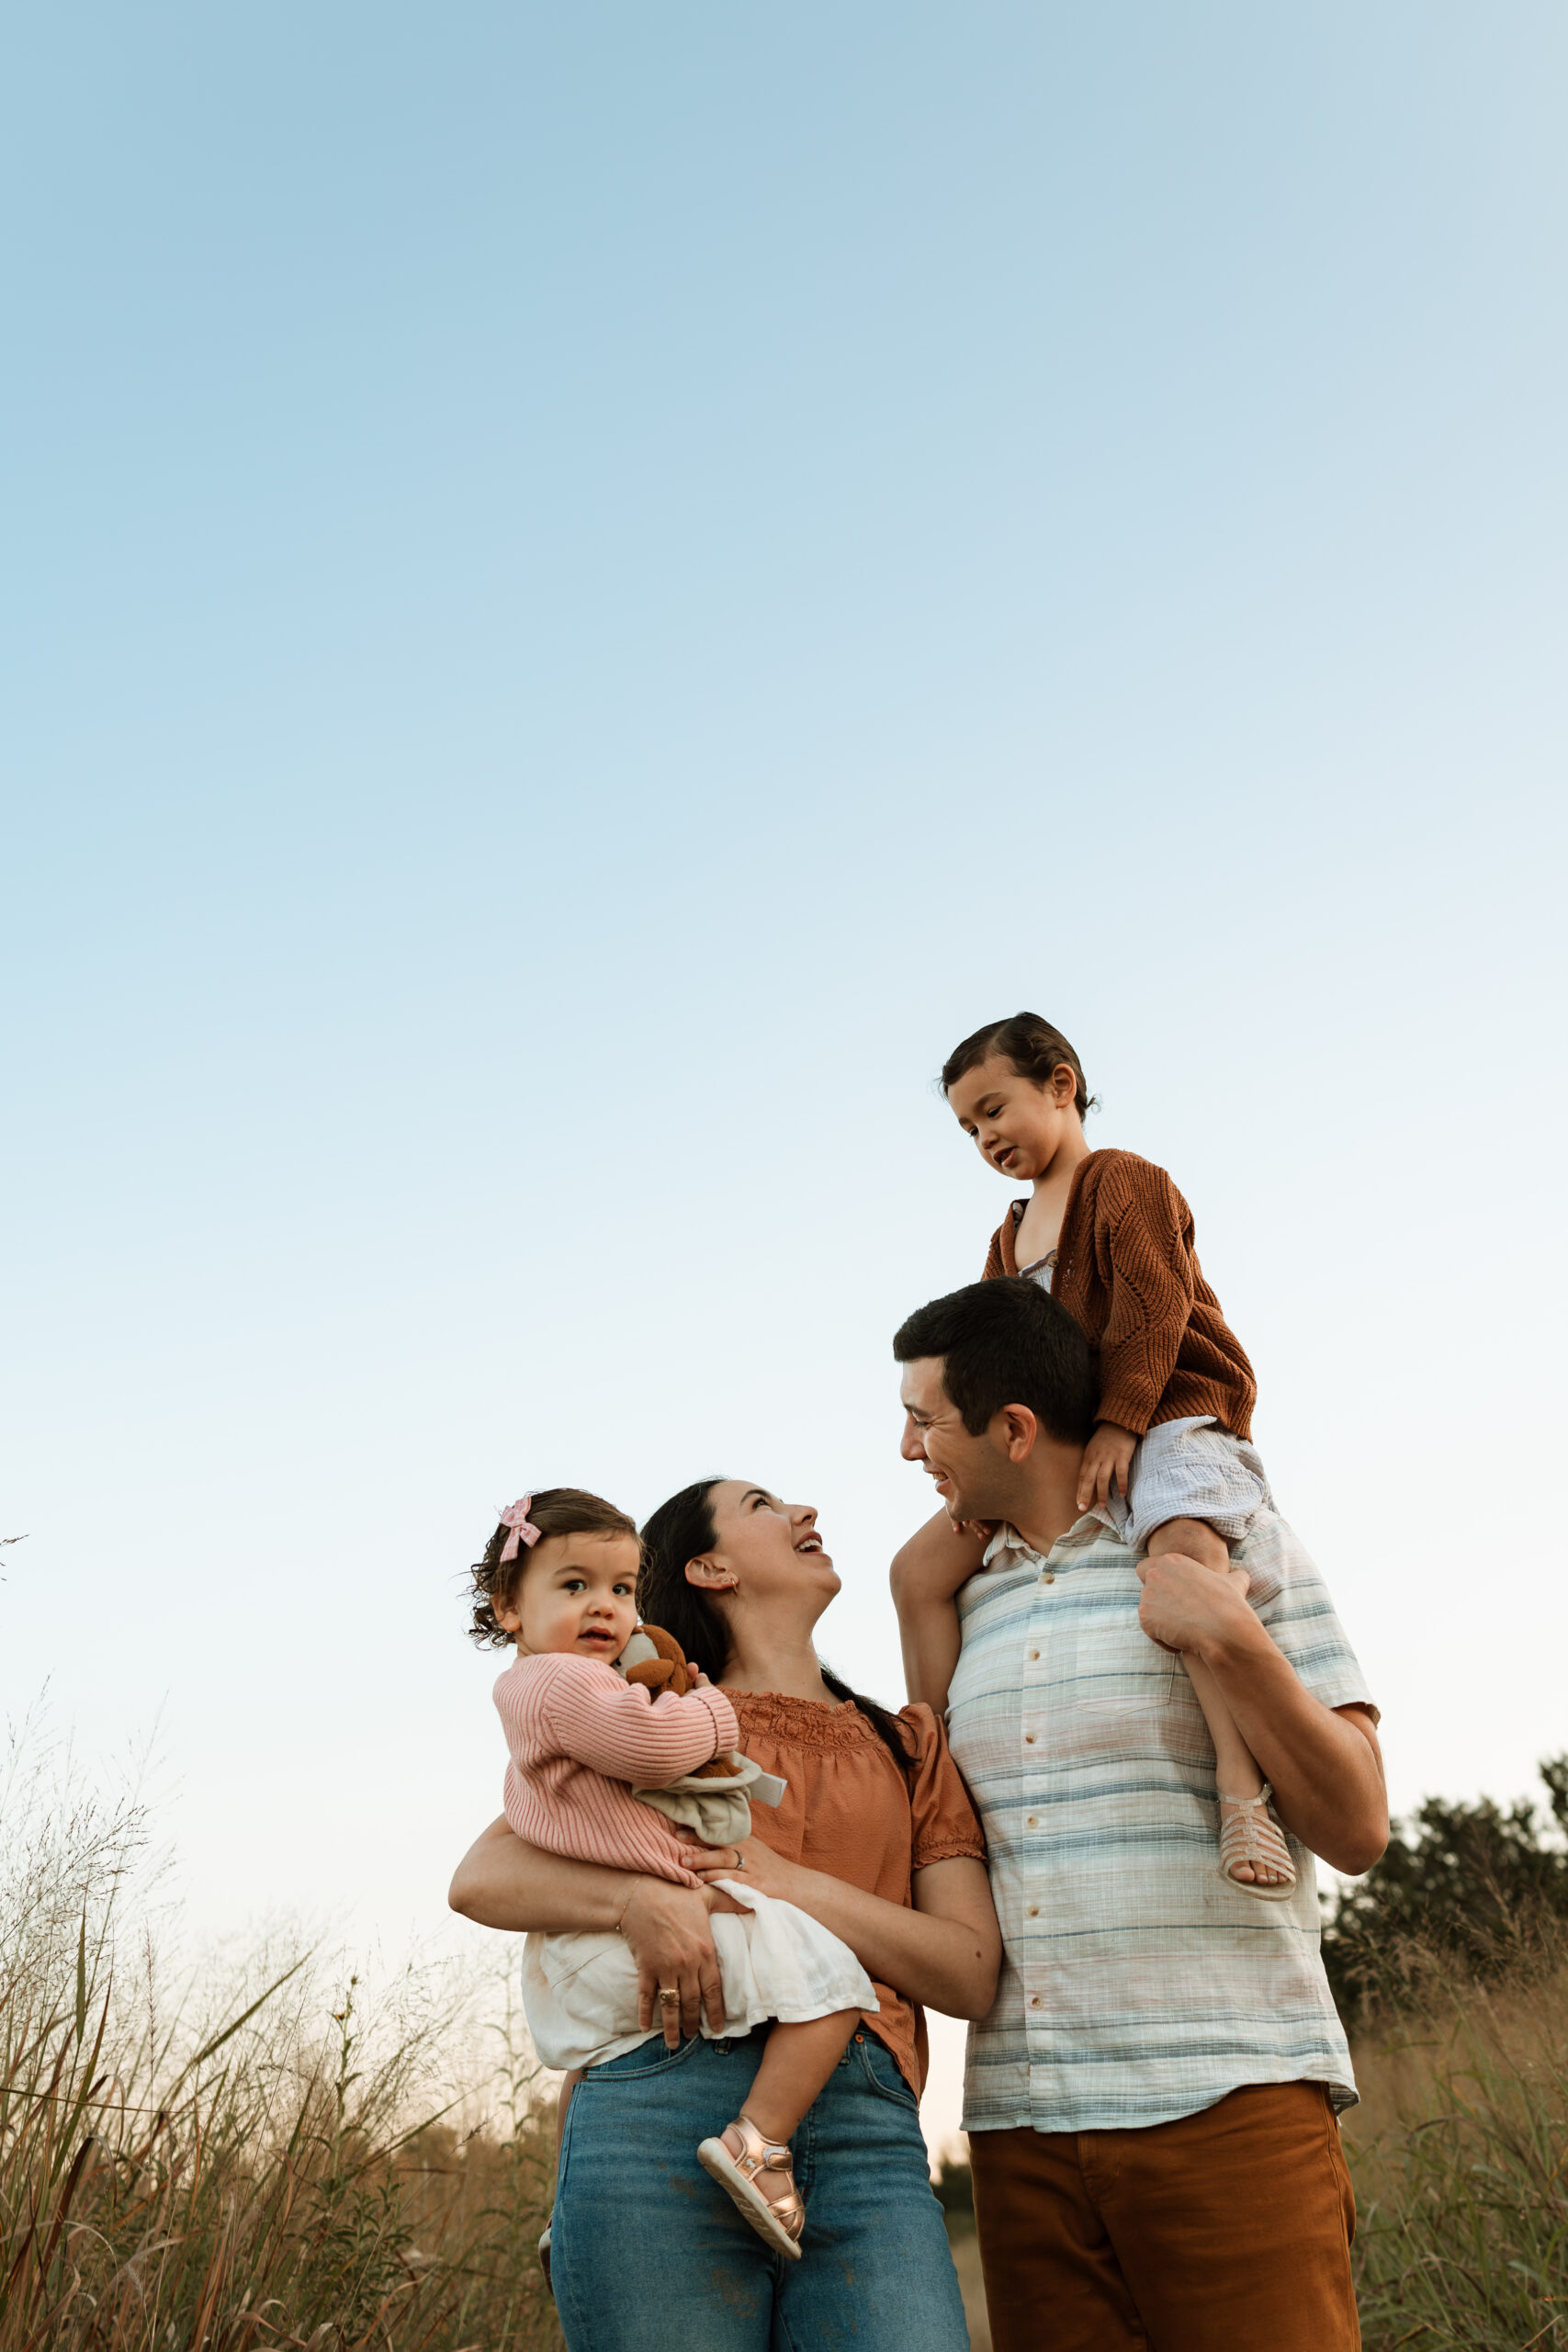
1032, 1912
1029, 1739
1034, 2000
1031, 1821
1033, 1656
1047, 1576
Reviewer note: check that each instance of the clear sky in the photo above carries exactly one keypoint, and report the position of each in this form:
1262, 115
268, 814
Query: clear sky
585, 590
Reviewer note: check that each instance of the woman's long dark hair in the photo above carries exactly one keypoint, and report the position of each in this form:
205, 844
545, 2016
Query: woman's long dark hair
681, 1529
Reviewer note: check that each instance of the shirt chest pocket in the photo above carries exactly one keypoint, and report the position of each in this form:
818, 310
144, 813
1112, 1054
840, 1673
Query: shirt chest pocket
1118, 1695
1108, 1666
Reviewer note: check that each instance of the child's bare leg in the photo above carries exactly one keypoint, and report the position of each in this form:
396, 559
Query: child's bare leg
1235, 1768
796, 2066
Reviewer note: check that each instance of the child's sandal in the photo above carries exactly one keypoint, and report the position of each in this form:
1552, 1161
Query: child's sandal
779, 2221
1250, 1837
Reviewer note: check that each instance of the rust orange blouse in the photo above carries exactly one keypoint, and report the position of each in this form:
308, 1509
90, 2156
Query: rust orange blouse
850, 1812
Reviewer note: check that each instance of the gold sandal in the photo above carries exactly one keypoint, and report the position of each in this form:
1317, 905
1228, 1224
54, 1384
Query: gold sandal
1250, 1837
780, 2221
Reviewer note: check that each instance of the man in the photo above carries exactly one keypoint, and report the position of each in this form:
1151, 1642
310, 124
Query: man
1151, 2104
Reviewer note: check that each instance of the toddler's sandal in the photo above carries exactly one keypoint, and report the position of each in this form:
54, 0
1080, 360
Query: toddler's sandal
1250, 1837
780, 2221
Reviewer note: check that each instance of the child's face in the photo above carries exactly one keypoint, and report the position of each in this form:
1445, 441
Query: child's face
1018, 1126
578, 1595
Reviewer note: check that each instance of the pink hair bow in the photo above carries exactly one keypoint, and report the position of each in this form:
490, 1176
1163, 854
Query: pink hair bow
516, 1517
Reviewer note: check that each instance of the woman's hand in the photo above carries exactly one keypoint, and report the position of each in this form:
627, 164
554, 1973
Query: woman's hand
752, 1861
666, 1928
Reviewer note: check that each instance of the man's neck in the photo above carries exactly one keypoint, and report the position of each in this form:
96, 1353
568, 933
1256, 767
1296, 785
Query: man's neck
1046, 1502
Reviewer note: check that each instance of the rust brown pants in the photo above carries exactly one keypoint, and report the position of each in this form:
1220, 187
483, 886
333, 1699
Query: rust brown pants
1228, 2231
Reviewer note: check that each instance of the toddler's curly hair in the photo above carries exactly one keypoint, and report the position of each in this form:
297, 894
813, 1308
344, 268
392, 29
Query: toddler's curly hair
554, 1511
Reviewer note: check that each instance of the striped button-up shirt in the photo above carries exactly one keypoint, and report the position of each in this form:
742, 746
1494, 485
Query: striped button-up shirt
1137, 1985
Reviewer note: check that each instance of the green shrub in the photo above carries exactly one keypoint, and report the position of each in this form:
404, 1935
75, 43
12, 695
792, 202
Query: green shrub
1465, 1885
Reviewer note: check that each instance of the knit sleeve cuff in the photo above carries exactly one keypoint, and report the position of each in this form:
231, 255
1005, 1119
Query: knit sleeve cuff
727, 1731
1128, 1412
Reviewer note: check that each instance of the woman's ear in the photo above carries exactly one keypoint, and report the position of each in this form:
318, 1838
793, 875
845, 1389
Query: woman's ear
708, 1577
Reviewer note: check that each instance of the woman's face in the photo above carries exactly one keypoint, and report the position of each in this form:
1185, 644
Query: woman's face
771, 1549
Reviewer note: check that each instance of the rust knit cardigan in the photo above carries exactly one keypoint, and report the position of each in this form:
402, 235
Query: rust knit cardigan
1128, 1275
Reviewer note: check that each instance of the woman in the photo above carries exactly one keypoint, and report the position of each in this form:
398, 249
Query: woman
875, 1836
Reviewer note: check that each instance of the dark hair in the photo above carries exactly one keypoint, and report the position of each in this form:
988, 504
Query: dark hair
1033, 1048
681, 1529
555, 1510
1006, 1342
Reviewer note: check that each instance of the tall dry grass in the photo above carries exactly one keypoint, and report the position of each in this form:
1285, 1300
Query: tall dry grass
245, 2161
1460, 2155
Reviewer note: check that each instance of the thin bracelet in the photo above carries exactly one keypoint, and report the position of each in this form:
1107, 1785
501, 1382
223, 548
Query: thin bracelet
620, 1927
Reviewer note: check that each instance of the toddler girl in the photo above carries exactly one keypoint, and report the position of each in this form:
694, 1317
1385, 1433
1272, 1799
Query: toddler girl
593, 1757
1170, 1460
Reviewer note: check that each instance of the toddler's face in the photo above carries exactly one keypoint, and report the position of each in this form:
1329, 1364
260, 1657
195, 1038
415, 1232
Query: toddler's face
578, 1595
1018, 1126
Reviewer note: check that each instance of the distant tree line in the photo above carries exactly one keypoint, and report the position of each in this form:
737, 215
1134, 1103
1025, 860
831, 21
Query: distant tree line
1475, 1884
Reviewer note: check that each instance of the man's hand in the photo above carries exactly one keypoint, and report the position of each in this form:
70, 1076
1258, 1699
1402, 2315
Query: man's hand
1106, 1465
1187, 1606
666, 1928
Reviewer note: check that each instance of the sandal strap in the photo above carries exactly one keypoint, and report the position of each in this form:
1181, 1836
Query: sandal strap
757, 2154
1265, 1796
1249, 1836
770, 2155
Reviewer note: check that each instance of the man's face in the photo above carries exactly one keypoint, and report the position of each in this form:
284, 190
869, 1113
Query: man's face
970, 1473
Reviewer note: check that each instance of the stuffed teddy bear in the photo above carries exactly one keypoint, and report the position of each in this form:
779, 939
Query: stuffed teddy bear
655, 1659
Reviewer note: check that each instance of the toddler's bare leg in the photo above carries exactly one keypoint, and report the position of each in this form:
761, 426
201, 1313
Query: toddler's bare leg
1236, 1769
796, 2066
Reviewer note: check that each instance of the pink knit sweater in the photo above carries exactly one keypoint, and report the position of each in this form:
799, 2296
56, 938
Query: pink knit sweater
578, 1736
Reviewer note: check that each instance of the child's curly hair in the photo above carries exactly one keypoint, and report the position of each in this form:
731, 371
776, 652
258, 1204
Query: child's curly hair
554, 1511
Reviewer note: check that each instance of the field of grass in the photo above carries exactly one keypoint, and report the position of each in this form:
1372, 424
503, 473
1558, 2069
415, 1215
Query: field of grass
251, 2152
1460, 2155
246, 2158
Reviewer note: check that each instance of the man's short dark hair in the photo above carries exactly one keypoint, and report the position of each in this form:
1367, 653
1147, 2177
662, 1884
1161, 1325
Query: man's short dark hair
1007, 1342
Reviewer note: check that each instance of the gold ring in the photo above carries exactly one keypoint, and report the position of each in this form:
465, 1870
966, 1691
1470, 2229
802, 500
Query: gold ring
668, 1996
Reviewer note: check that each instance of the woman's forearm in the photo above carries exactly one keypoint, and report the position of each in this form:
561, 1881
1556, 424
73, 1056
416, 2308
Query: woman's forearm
947, 1960
501, 1883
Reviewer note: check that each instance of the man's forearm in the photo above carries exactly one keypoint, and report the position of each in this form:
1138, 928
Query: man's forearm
1326, 1771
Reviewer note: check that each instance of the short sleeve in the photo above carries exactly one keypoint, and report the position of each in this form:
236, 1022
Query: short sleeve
1292, 1602
947, 1829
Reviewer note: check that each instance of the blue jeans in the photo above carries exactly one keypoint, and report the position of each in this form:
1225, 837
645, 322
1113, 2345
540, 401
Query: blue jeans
648, 2255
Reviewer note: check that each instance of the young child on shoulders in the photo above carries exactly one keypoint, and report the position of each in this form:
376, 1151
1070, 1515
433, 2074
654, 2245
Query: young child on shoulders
1171, 1460
609, 1769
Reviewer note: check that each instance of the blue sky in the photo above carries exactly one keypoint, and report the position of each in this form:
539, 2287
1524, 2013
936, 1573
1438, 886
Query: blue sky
585, 591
